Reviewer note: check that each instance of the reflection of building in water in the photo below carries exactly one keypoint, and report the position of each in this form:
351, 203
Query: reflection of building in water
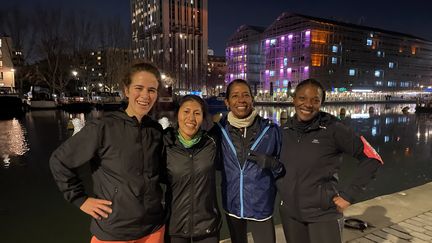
12, 139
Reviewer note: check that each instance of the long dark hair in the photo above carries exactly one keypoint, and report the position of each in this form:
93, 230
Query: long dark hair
314, 83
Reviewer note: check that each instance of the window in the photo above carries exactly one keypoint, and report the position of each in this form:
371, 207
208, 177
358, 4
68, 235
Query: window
334, 60
334, 49
391, 83
368, 42
404, 84
1, 64
285, 83
1, 75
379, 73
378, 83
272, 73
352, 72
380, 54
391, 65
285, 60
277, 83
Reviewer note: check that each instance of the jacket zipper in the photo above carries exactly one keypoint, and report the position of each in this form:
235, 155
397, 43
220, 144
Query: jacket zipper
191, 224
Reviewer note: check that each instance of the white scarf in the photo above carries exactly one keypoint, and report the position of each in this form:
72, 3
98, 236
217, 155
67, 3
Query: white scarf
244, 122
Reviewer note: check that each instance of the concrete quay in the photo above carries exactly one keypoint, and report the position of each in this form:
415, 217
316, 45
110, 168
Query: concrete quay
405, 216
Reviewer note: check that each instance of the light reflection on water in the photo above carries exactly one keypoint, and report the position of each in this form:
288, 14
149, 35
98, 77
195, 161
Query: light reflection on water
13, 140
403, 141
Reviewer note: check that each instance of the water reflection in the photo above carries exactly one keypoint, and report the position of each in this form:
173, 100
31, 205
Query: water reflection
13, 140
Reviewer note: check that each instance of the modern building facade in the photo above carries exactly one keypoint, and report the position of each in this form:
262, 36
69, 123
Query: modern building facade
174, 36
342, 56
7, 71
244, 56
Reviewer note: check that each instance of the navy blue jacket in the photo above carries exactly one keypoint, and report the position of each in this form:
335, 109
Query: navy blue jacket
248, 190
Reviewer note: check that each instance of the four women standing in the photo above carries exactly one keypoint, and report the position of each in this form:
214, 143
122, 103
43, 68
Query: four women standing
128, 153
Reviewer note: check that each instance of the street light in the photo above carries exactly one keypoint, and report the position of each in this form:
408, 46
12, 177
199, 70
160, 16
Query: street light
74, 73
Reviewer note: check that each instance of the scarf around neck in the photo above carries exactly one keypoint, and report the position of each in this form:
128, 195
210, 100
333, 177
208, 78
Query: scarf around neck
189, 143
241, 123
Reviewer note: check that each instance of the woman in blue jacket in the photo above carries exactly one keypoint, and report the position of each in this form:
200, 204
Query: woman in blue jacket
250, 166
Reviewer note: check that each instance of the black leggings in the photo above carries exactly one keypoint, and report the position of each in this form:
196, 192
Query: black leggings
262, 231
208, 239
317, 232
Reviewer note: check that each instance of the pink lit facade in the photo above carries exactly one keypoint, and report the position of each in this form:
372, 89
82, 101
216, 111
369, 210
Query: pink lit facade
286, 60
244, 56
342, 56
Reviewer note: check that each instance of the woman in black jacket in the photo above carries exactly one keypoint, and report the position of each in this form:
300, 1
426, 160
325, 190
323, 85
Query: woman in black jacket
190, 155
124, 149
313, 143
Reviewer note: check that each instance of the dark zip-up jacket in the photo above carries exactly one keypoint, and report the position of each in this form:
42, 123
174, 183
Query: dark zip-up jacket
124, 156
248, 190
312, 159
191, 187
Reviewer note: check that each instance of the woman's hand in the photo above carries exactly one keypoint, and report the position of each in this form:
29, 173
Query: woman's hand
341, 204
97, 208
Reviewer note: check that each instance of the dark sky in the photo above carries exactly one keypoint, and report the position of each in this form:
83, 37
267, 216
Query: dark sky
225, 16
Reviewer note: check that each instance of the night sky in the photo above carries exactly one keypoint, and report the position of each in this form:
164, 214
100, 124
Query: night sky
225, 16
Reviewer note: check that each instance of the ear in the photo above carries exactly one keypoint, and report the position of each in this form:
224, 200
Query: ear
226, 103
126, 92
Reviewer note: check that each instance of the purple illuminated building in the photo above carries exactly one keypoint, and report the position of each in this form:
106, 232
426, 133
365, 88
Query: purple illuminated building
340, 55
244, 56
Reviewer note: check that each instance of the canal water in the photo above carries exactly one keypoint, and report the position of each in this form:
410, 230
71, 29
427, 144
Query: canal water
32, 209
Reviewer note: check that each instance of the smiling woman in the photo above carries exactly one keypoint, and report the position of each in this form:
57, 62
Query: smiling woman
124, 149
190, 157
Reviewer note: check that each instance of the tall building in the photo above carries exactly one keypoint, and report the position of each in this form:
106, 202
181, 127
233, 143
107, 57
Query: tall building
216, 71
174, 36
342, 56
7, 71
244, 55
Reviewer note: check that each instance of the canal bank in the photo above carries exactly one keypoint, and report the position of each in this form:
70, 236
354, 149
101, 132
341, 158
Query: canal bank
404, 216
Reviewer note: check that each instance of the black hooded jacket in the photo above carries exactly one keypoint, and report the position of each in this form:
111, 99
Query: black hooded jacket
312, 159
190, 174
124, 156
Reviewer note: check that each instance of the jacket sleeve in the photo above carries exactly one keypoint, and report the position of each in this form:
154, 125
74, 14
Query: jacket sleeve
216, 134
368, 161
73, 153
279, 169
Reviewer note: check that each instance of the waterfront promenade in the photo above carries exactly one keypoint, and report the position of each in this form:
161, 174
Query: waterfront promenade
405, 216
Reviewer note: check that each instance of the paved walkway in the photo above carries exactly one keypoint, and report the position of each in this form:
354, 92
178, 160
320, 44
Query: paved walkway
404, 216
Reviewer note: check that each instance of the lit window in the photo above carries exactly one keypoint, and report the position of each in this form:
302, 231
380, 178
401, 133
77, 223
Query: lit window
352, 72
334, 49
391, 84
369, 42
285, 83
273, 42
379, 73
99, 58
334, 60
272, 73
378, 83
380, 54
285, 61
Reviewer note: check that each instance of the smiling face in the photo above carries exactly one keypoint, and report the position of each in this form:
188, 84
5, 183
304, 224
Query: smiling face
307, 102
240, 101
190, 117
141, 93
